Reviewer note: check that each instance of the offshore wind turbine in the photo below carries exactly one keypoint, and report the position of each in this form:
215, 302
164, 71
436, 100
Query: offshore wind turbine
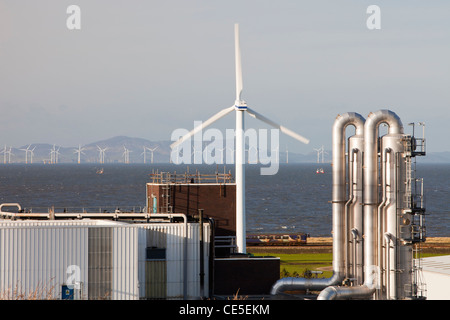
10, 154
79, 151
126, 155
239, 106
152, 150
26, 153
287, 154
54, 154
102, 154
32, 154
144, 153
5, 152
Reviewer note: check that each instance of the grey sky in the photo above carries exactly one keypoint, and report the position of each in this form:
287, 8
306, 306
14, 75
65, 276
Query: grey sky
145, 68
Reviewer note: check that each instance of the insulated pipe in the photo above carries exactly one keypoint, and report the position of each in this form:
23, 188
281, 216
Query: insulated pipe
354, 233
385, 202
371, 180
370, 208
400, 257
334, 293
9, 214
339, 195
339, 198
356, 144
388, 239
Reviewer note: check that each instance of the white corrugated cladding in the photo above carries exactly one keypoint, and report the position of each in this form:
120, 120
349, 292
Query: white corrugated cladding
436, 274
171, 236
37, 254
36, 257
125, 280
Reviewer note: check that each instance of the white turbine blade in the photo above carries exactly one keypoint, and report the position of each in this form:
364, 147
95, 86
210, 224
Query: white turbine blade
208, 122
237, 48
283, 129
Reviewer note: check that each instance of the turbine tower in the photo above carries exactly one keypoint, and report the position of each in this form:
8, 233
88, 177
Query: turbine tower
26, 153
152, 150
79, 151
32, 154
126, 155
145, 154
102, 154
54, 154
10, 154
287, 154
5, 152
240, 106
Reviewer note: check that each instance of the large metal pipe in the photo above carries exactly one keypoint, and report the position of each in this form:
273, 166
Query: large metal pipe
371, 202
354, 229
335, 293
339, 199
371, 177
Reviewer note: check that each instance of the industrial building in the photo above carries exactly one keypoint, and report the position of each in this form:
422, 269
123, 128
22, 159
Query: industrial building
182, 247
103, 259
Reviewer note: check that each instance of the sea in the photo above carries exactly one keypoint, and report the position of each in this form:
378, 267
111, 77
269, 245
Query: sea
294, 200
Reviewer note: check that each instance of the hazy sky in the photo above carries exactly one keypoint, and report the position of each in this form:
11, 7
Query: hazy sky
146, 68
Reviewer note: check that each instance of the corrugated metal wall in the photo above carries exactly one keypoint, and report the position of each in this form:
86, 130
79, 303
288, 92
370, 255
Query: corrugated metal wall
36, 259
111, 258
171, 237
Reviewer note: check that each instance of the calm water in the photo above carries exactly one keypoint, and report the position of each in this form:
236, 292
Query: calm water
296, 199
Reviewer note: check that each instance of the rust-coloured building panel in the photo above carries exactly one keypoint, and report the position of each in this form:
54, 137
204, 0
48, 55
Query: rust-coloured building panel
217, 200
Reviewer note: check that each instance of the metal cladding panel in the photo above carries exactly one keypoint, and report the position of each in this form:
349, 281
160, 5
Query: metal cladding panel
171, 237
111, 259
125, 276
35, 261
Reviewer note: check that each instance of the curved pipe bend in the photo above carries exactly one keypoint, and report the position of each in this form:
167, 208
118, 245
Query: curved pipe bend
336, 292
315, 284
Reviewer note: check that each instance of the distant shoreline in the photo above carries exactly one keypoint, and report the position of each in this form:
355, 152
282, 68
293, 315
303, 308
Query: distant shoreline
433, 245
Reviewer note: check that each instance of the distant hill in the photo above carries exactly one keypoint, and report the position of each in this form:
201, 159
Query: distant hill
115, 152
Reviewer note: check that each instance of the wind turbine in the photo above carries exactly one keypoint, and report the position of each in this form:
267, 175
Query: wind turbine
102, 154
10, 154
320, 151
26, 153
5, 152
318, 154
287, 154
240, 106
54, 154
32, 154
126, 154
144, 153
152, 150
79, 151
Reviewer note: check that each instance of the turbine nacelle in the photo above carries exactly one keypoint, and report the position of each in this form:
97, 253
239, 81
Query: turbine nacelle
240, 105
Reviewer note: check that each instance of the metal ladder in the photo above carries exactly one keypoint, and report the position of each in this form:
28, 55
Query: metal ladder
165, 181
414, 205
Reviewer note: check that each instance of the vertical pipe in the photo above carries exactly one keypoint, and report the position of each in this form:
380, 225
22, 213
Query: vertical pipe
388, 237
371, 182
339, 196
202, 262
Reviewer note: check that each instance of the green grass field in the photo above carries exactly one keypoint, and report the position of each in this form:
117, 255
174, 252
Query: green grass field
296, 264
292, 265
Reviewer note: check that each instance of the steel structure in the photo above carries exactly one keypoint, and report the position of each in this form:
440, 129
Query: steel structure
377, 213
